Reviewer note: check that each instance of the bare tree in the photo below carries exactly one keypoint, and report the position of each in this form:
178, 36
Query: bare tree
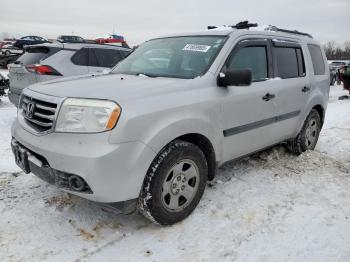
335, 51
329, 49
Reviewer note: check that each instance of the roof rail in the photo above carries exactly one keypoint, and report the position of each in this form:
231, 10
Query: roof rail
295, 32
240, 25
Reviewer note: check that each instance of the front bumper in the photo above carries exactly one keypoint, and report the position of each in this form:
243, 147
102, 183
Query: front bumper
113, 172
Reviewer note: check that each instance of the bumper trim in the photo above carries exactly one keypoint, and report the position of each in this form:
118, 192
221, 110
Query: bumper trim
39, 166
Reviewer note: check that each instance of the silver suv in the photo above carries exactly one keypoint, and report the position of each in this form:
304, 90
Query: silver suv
152, 132
49, 61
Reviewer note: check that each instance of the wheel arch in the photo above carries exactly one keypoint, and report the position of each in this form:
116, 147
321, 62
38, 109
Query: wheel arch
321, 111
204, 144
204, 141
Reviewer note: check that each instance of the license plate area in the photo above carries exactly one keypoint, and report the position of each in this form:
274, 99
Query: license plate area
21, 157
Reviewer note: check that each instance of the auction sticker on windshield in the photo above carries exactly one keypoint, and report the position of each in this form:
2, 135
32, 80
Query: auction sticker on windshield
196, 48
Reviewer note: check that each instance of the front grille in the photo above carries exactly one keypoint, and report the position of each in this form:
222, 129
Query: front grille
38, 114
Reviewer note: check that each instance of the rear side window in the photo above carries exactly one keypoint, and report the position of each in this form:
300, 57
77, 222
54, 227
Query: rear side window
253, 58
81, 57
105, 57
290, 62
317, 59
34, 56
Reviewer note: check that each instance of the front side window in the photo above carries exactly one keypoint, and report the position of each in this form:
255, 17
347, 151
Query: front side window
317, 59
179, 57
253, 58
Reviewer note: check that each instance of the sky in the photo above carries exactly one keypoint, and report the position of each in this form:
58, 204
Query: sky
326, 20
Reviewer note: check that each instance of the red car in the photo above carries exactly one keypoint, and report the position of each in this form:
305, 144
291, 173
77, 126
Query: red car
112, 39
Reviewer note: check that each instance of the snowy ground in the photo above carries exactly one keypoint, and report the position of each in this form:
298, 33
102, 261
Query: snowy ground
269, 207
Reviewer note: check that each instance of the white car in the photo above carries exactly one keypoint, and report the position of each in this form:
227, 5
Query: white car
45, 62
11, 50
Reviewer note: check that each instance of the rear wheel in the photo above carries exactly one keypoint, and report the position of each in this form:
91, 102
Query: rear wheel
174, 184
308, 136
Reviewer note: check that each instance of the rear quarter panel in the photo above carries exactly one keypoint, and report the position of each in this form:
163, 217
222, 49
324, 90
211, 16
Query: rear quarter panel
320, 85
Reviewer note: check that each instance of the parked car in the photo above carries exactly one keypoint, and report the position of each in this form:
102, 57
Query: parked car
49, 61
10, 50
8, 59
112, 39
4, 84
334, 68
344, 75
70, 39
29, 40
151, 133
6, 42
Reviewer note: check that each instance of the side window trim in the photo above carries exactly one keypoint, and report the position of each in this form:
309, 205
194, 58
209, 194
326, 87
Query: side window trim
253, 42
301, 62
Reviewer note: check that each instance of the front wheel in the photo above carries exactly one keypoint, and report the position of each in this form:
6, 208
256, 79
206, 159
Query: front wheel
308, 136
174, 183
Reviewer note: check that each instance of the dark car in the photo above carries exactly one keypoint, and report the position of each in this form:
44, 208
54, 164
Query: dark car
344, 75
8, 59
29, 40
4, 84
70, 39
333, 69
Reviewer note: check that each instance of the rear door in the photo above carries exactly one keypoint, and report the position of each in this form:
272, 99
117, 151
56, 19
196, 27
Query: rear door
102, 58
292, 85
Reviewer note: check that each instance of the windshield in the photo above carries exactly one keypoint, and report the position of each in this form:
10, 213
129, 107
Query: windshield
179, 57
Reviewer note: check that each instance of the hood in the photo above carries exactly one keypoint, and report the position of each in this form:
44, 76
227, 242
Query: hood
115, 87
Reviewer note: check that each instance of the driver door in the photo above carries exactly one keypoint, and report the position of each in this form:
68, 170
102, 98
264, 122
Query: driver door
249, 111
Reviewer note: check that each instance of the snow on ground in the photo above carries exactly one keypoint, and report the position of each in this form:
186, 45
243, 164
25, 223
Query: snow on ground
272, 206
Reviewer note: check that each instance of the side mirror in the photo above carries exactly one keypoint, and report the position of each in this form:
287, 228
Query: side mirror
242, 77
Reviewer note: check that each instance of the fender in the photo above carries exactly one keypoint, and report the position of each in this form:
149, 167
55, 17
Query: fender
172, 130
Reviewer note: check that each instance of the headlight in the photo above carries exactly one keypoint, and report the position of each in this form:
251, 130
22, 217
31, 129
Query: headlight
87, 116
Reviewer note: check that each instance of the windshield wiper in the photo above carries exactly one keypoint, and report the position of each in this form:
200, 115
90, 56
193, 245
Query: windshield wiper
146, 74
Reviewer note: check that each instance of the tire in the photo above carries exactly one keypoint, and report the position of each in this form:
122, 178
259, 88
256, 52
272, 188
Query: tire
174, 184
308, 136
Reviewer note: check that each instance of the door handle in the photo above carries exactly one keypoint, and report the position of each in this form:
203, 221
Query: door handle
268, 97
305, 89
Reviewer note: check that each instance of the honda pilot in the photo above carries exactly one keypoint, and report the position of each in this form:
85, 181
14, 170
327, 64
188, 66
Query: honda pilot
150, 134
